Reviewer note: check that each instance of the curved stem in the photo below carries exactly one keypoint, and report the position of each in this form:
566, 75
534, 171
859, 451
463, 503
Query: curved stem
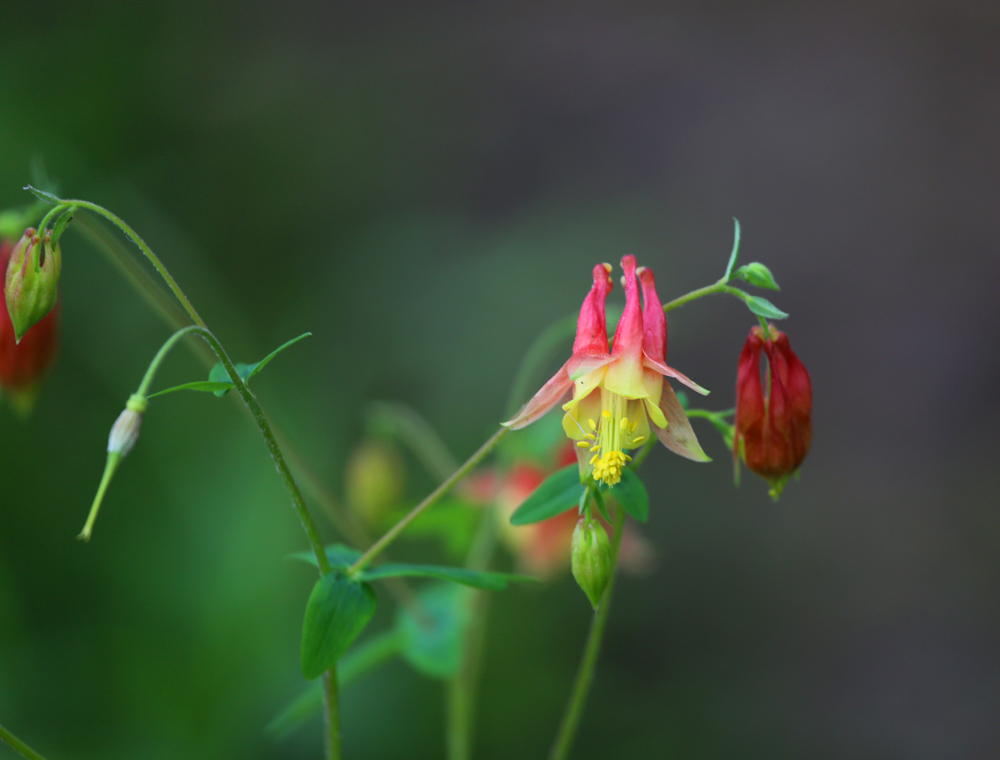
436, 494
134, 237
154, 365
19, 746
585, 675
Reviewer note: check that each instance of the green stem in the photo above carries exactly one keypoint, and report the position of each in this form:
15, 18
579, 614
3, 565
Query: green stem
154, 365
462, 688
585, 675
20, 747
272, 445
331, 713
436, 494
716, 287
134, 237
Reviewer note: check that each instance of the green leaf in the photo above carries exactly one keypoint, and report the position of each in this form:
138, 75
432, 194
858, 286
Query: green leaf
364, 657
61, 223
488, 581
49, 197
339, 556
557, 493
601, 506
218, 379
631, 494
206, 386
337, 611
433, 633
764, 308
253, 369
757, 275
736, 251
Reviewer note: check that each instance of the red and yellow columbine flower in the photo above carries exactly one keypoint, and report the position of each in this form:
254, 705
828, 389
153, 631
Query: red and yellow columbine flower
619, 395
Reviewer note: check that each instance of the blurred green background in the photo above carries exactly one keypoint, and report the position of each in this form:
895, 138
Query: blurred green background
425, 189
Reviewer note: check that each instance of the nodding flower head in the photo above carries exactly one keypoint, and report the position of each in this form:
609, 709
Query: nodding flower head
31, 285
619, 397
23, 365
773, 427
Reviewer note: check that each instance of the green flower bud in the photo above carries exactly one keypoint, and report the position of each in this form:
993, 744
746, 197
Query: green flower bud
375, 479
591, 559
31, 285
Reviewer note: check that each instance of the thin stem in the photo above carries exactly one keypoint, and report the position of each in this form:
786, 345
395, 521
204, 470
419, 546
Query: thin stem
331, 713
436, 494
19, 746
585, 675
462, 688
154, 365
716, 287
272, 446
134, 237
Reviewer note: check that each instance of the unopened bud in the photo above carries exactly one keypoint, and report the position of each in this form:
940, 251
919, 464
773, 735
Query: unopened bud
125, 431
374, 480
124, 434
591, 559
31, 284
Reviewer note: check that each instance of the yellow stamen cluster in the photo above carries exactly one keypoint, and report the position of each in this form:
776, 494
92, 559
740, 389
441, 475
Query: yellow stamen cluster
609, 437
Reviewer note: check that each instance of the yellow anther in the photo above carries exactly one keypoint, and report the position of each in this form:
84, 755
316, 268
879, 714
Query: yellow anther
627, 457
593, 425
637, 441
595, 447
583, 444
632, 426
591, 436
593, 459
606, 414
624, 424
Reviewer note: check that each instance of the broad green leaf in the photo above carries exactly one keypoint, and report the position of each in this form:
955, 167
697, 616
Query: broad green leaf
488, 581
340, 556
736, 251
432, 634
632, 496
364, 657
757, 275
206, 386
337, 611
764, 308
557, 493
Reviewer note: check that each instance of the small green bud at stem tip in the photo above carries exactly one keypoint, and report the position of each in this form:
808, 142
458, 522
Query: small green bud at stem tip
114, 458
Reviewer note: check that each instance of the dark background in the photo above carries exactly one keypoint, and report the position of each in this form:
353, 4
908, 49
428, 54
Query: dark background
426, 190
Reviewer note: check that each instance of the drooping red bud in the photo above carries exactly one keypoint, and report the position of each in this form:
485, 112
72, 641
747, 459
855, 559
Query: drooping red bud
773, 430
23, 365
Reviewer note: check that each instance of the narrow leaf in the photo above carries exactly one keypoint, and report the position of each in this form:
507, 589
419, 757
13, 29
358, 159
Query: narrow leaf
601, 506
218, 374
49, 197
764, 308
337, 611
433, 633
484, 580
757, 275
631, 494
736, 251
557, 493
253, 369
206, 386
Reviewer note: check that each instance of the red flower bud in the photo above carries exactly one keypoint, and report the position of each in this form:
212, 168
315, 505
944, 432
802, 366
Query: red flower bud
24, 364
773, 431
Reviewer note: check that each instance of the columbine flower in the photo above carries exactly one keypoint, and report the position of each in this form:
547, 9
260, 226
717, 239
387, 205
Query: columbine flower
618, 395
773, 432
24, 364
